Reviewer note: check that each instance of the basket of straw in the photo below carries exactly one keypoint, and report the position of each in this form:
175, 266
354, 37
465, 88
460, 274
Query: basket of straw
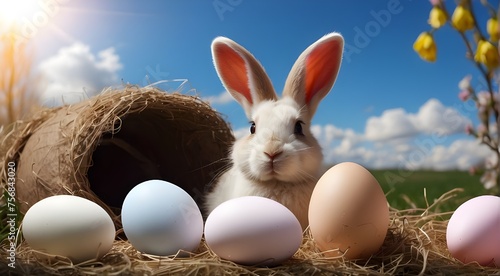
101, 148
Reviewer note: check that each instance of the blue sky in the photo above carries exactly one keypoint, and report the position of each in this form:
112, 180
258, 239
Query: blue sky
382, 81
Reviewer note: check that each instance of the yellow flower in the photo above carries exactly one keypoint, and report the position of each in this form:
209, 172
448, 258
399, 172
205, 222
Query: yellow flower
462, 18
425, 46
487, 54
437, 17
492, 28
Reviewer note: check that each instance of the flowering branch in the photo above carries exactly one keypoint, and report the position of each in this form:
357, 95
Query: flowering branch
484, 53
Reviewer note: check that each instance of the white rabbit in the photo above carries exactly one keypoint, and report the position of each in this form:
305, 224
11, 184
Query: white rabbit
279, 159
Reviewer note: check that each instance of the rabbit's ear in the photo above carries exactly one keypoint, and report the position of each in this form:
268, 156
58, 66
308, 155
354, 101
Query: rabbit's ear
241, 74
314, 73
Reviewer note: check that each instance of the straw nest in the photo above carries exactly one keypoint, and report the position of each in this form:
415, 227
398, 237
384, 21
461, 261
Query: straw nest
66, 150
101, 148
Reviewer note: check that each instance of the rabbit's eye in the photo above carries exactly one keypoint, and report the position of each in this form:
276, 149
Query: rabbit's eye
252, 128
298, 128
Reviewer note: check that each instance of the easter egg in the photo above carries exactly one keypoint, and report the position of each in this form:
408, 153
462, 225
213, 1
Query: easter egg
473, 231
69, 226
348, 212
160, 218
253, 230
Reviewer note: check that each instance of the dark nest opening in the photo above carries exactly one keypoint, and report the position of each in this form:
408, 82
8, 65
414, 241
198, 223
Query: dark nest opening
153, 144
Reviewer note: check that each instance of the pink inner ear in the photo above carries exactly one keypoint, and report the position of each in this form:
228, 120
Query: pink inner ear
233, 71
321, 68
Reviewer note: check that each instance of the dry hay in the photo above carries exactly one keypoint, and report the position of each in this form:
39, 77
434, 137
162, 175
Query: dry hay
415, 244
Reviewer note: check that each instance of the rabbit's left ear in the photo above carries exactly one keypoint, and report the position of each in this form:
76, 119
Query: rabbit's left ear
315, 71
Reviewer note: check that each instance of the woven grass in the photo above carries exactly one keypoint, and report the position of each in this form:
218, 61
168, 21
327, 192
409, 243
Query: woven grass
62, 151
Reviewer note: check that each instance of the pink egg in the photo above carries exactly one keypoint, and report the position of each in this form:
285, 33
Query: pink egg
253, 230
473, 233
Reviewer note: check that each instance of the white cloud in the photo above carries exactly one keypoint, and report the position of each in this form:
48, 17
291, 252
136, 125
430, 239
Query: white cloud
398, 139
393, 123
422, 152
432, 117
461, 154
222, 98
75, 73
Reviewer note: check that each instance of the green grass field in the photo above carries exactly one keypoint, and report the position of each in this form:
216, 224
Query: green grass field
405, 189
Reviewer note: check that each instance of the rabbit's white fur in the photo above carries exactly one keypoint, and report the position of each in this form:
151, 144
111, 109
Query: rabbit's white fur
281, 160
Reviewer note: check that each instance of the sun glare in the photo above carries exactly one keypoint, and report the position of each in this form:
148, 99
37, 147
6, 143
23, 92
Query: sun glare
14, 11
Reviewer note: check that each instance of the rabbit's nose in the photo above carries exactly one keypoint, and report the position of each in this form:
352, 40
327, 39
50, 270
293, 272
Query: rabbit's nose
273, 155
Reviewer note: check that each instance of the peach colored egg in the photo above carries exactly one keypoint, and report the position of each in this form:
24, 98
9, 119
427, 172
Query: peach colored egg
348, 212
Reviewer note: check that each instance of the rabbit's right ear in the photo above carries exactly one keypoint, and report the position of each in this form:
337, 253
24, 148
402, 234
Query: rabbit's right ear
241, 74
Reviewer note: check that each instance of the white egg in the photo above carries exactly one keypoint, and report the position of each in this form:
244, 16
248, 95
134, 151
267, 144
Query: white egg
160, 218
253, 230
69, 226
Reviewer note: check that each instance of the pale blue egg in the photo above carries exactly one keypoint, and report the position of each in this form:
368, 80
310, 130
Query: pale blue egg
160, 218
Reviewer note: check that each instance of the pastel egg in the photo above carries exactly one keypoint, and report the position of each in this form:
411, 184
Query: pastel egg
348, 212
69, 226
161, 218
473, 231
253, 230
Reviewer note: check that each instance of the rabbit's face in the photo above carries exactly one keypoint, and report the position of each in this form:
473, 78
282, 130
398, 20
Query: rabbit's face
279, 145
